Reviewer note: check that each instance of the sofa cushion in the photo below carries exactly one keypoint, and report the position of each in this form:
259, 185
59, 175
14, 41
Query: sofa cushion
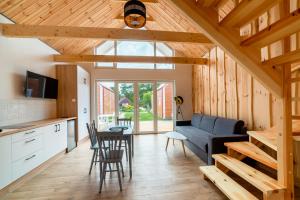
196, 136
196, 119
207, 123
227, 126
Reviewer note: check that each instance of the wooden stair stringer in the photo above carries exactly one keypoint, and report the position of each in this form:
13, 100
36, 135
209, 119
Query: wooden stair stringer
252, 151
268, 138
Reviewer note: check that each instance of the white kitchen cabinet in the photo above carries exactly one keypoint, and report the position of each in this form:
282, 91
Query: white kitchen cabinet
55, 139
26, 164
62, 136
25, 147
23, 151
5, 161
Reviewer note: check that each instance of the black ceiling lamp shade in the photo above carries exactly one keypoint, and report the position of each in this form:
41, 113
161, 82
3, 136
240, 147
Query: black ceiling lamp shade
135, 14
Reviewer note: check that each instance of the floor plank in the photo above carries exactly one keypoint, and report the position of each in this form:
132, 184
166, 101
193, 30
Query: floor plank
157, 175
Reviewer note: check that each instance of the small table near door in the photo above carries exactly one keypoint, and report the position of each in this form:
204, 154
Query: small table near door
176, 136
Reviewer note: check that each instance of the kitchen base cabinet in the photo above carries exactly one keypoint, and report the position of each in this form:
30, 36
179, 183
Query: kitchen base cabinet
5, 161
23, 151
55, 139
26, 164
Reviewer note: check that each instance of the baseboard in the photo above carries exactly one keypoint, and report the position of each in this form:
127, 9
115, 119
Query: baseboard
20, 181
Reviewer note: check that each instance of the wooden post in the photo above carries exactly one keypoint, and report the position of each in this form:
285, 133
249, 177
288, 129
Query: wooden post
285, 138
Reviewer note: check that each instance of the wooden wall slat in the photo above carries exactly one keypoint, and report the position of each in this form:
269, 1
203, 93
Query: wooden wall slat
213, 82
206, 91
225, 89
221, 83
231, 87
244, 96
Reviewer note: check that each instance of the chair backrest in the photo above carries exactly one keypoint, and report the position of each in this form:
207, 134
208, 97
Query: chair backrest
92, 134
110, 142
124, 121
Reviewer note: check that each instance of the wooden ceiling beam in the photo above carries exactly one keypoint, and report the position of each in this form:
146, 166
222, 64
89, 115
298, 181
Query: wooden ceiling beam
228, 39
246, 11
17, 30
288, 58
129, 59
276, 31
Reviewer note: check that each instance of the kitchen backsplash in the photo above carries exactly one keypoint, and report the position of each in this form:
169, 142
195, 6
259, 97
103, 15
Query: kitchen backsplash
17, 111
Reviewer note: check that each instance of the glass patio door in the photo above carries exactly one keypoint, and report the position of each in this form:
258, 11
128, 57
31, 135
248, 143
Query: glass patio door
126, 101
149, 104
105, 101
146, 121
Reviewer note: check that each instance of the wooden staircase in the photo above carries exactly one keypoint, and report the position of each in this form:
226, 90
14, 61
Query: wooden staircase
233, 161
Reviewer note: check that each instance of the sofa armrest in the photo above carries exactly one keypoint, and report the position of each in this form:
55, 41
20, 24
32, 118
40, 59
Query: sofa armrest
216, 144
183, 123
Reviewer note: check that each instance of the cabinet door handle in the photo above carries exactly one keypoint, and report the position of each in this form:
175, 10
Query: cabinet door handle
30, 157
27, 133
28, 141
58, 127
55, 128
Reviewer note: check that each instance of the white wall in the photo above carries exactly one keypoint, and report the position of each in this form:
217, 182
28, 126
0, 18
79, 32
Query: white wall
16, 56
182, 75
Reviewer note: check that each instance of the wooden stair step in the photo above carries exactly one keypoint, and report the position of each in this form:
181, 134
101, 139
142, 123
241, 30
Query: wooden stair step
268, 137
228, 186
258, 179
252, 151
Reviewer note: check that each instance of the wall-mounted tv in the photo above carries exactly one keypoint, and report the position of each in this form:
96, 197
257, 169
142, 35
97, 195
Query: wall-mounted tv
39, 86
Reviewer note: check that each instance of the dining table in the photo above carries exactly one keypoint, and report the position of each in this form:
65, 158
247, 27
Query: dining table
129, 137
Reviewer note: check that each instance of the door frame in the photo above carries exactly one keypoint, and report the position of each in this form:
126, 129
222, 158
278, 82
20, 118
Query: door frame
136, 102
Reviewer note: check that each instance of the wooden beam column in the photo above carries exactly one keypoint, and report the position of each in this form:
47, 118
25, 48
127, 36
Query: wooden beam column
285, 137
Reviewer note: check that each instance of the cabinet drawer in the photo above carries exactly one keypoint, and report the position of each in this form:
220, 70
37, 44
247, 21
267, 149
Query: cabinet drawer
26, 134
26, 146
26, 164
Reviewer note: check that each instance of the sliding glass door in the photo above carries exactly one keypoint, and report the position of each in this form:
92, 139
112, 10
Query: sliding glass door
145, 105
106, 107
148, 103
165, 106
126, 101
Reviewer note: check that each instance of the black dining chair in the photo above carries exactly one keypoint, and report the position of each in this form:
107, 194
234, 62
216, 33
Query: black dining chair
125, 122
111, 153
94, 145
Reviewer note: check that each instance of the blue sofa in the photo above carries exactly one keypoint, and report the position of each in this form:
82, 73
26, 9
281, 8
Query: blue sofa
206, 135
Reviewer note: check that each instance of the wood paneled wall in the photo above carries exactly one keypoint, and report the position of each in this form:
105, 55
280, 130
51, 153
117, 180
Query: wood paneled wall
223, 88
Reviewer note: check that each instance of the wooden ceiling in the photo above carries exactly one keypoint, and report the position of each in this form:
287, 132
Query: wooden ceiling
96, 13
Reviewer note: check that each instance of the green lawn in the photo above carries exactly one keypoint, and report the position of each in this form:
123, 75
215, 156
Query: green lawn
144, 116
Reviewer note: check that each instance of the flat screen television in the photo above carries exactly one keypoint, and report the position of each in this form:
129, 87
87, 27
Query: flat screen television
39, 86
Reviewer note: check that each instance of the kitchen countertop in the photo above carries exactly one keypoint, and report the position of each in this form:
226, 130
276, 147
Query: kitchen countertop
33, 125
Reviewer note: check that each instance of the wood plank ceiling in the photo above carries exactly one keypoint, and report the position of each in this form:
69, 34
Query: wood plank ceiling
96, 13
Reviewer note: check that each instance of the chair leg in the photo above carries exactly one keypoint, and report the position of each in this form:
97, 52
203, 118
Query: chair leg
119, 176
96, 157
92, 162
126, 149
102, 177
101, 169
122, 169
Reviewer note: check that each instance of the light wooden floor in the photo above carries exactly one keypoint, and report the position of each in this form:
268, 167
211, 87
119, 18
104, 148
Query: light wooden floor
157, 175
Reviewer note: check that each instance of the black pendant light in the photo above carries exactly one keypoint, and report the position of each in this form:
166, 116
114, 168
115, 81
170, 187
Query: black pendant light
135, 14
